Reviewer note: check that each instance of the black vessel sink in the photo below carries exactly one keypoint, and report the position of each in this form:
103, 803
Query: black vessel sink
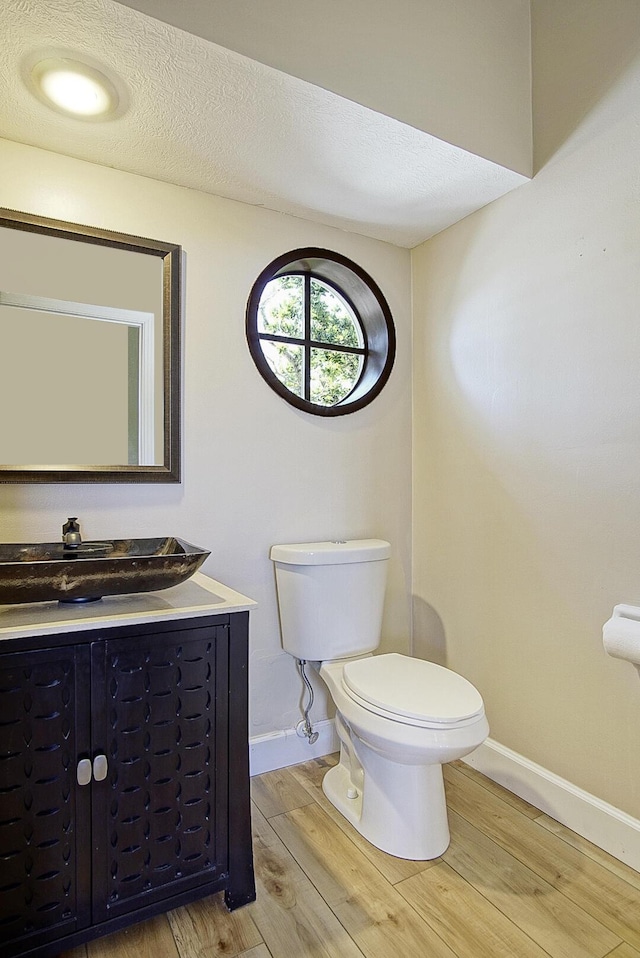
40, 572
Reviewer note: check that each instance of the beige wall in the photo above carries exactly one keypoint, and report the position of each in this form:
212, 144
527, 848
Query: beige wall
527, 418
256, 471
458, 69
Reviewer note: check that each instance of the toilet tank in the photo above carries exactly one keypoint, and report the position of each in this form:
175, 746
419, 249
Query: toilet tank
331, 596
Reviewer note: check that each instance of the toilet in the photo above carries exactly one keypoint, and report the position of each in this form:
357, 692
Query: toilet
399, 719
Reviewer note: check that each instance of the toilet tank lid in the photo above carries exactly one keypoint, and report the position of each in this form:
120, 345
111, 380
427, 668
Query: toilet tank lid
331, 553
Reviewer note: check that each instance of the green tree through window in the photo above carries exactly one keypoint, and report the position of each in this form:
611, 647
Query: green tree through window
311, 338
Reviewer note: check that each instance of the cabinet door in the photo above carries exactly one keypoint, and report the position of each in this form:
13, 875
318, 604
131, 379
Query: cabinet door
159, 822
44, 813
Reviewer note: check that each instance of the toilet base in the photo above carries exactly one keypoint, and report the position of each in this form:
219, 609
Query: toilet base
400, 809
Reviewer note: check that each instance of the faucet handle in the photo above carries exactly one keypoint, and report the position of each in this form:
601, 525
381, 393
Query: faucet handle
71, 532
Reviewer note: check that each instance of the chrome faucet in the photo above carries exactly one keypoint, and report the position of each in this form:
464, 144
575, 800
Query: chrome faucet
71, 533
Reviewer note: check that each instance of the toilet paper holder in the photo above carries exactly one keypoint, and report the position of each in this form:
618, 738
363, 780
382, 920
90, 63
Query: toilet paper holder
621, 634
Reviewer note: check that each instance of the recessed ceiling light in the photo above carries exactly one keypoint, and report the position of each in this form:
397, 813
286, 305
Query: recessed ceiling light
74, 88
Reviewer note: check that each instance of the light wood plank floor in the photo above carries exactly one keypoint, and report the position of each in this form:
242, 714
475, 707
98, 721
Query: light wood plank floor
512, 884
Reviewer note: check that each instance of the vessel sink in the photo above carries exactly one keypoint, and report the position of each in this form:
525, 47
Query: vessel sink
40, 572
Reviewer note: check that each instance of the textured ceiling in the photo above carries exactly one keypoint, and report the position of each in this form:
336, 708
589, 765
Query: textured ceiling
205, 117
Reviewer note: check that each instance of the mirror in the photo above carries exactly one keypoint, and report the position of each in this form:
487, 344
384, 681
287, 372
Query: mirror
89, 354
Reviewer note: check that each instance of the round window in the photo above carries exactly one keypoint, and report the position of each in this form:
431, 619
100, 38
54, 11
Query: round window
320, 332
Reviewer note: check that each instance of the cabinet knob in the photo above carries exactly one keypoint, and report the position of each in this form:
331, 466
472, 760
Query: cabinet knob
100, 768
83, 773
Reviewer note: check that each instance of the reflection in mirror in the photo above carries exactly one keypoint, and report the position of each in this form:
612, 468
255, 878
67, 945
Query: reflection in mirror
89, 354
121, 342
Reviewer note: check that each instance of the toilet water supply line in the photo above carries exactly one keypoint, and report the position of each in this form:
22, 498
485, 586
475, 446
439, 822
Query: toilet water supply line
304, 728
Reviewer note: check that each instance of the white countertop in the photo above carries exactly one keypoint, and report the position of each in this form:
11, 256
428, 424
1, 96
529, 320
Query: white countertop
199, 595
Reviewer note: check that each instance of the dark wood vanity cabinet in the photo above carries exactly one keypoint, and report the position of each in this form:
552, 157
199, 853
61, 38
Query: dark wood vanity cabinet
45, 837
124, 780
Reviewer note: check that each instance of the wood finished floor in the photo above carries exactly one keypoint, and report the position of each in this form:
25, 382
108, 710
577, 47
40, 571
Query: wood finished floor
513, 882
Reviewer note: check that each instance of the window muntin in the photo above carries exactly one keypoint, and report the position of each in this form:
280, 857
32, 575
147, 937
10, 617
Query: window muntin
320, 332
299, 314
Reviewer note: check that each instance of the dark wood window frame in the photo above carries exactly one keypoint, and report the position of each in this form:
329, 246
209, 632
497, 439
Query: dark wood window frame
369, 306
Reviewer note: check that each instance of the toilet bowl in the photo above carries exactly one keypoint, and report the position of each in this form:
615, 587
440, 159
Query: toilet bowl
399, 719
388, 782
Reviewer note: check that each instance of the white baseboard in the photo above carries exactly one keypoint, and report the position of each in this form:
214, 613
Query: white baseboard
600, 823
279, 749
597, 821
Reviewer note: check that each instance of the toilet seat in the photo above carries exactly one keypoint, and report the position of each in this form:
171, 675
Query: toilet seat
412, 691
